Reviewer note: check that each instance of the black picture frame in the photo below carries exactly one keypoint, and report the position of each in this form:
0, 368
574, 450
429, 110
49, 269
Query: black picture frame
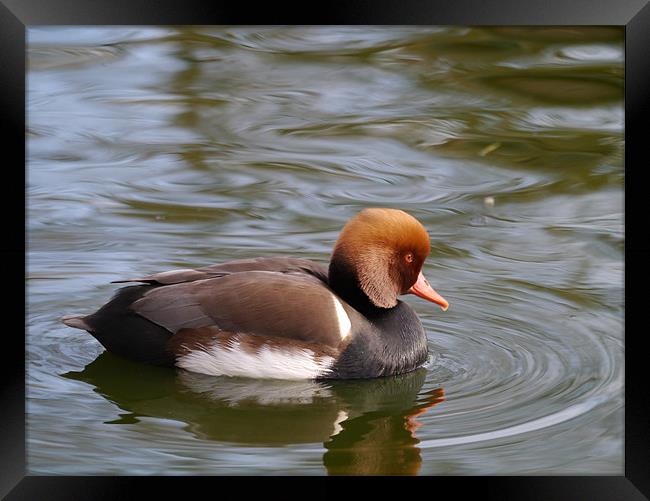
16, 15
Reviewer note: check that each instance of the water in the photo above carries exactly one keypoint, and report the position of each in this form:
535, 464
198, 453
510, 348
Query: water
159, 147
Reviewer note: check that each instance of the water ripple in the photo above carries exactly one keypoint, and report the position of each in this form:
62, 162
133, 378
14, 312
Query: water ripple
160, 148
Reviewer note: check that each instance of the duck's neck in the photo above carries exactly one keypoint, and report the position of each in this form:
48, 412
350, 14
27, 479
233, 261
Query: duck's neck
343, 280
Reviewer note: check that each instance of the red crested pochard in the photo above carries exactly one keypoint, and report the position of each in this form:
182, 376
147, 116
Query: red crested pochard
282, 318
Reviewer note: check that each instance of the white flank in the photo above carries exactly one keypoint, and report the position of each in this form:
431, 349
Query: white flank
344, 321
267, 363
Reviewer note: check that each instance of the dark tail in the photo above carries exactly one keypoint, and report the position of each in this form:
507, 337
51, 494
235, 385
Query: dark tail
123, 332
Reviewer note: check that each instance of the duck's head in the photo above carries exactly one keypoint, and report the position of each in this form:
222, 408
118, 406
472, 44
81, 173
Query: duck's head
380, 253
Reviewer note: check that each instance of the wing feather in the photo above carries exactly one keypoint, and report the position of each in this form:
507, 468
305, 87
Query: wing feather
297, 306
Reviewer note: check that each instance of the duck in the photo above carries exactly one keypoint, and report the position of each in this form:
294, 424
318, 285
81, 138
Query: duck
282, 317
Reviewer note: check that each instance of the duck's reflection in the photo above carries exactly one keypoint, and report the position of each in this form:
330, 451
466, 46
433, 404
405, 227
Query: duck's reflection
368, 426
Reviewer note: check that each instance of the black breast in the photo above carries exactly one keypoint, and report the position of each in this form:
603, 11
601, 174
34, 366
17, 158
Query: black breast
392, 342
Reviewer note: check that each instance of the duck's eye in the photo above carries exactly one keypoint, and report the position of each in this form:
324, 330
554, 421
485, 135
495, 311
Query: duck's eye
408, 257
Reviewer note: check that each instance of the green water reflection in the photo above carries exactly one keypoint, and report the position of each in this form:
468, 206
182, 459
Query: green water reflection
367, 427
